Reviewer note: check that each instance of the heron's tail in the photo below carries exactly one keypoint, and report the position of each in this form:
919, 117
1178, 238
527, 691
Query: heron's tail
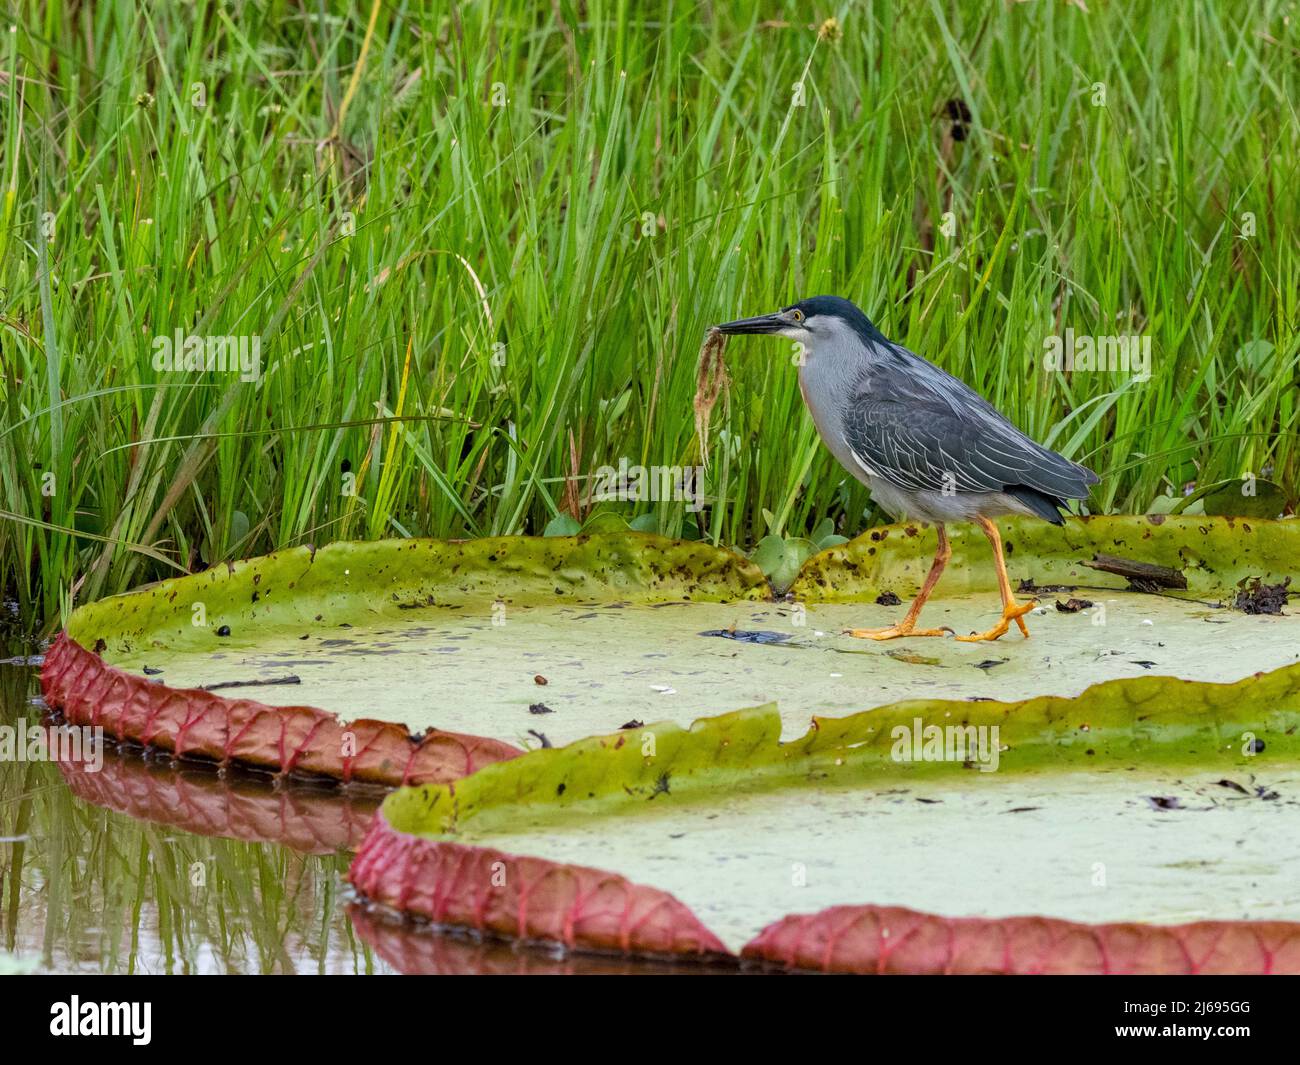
1043, 505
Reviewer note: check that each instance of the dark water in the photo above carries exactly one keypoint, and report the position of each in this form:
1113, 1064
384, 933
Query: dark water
130, 863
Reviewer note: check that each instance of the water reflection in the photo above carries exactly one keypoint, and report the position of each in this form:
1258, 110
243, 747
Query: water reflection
146, 866
230, 805
414, 948
141, 868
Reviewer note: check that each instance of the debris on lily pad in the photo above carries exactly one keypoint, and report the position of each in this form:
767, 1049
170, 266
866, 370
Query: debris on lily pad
1256, 597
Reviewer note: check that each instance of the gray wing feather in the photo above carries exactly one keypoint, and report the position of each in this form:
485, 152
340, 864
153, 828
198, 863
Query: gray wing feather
922, 429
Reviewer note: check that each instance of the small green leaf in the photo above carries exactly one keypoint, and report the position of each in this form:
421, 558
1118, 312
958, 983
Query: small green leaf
781, 559
1163, 504
562, 525
238, 530
1237, 497
825, 528
1257, 357
768, 552
1246, 498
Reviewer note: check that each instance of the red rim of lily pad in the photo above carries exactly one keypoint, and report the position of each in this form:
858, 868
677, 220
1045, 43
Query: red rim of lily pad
413, 949
893, 939
529, 899
192, 723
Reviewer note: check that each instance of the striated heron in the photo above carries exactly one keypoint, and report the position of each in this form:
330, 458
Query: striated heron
927, 445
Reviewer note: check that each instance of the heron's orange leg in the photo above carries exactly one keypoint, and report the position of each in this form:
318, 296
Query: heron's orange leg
1011, 610
906, 627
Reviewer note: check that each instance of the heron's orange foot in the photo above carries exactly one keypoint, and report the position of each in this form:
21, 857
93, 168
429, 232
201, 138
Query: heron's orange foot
893, 632
1014, 612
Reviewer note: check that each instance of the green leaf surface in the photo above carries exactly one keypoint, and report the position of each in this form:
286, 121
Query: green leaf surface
345, 583
1146, 720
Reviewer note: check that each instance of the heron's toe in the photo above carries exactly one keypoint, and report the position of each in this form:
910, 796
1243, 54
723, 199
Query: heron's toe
992, 634
894, 632
1017, 611
1012, 612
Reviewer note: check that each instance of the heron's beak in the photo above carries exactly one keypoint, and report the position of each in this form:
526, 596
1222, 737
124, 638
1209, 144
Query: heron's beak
763, 323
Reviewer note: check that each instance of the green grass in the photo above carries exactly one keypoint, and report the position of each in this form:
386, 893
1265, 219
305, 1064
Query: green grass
234, 219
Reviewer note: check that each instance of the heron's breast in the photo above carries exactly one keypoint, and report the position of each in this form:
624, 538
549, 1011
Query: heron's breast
825, 392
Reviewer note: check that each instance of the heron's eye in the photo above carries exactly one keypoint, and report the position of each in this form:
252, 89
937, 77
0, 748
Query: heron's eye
797, 314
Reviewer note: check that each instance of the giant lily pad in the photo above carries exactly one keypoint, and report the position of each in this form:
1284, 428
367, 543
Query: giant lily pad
328, 593
423, 661
1143, 800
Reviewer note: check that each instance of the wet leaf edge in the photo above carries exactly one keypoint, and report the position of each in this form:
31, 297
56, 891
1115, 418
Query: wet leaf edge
523, 898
